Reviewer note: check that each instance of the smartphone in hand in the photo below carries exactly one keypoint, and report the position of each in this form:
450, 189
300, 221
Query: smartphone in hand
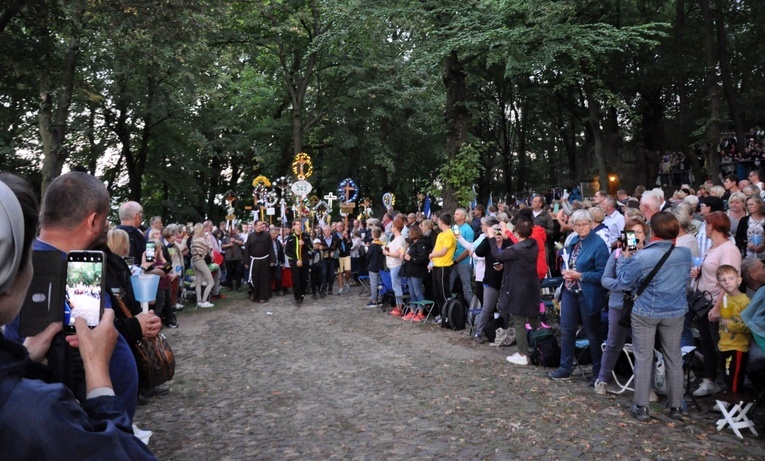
85, 288
151, 249
45, 297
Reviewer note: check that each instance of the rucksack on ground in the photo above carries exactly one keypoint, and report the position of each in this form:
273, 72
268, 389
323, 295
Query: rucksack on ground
543, 348
454, 315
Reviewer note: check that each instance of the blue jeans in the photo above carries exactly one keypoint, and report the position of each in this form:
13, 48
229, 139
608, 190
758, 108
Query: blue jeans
488, 307
416, 289
573, 307
374, 280
465, 273
396, 281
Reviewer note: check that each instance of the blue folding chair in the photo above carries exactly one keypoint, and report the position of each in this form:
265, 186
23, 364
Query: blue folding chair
385, 291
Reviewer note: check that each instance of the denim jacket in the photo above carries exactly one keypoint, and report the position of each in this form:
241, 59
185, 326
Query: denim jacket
665, 296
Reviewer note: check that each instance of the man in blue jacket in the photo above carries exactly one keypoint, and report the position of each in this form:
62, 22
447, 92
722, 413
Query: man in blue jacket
39, 420
73, 217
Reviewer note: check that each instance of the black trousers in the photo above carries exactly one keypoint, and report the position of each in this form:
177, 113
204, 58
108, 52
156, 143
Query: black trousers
234, 270
441, 289
328, 271
299, 279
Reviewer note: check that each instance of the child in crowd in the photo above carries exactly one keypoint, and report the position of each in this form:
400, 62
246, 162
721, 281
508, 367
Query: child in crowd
734, 334
375, 260
357, 252
316, 272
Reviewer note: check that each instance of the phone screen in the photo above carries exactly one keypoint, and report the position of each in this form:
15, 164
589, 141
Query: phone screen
631, 240
556, 207
150, 249
84, 288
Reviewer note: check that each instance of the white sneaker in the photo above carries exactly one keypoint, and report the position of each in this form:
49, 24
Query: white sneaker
518, 359
601, 388
707, 387
143, 435
206, 305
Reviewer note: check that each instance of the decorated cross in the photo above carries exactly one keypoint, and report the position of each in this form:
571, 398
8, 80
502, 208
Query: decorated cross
348, 189
330, 198
301, 162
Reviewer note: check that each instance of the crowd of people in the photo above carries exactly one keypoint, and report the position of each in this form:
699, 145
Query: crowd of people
711, 239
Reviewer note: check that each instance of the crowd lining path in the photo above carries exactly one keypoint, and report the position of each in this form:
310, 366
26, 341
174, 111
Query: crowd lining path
334, 380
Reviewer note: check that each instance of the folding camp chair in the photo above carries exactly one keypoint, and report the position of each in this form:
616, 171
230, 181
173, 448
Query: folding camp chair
427, 305
581, 351
364, 282
735, 409
385, 291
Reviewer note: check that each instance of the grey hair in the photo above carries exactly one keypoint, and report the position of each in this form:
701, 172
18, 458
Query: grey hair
692, 199
681, 213
580, 215
128, 210
651, 199
489, 221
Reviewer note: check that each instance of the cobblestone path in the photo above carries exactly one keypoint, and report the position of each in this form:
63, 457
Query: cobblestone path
334, 380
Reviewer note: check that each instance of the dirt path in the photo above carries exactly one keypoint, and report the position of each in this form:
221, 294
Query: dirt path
334, 380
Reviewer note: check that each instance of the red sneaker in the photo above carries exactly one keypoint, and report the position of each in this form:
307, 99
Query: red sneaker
418, 317
396, 311
408, 316
219, 296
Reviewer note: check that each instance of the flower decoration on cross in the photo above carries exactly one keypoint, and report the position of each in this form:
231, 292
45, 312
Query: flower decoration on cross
348, 191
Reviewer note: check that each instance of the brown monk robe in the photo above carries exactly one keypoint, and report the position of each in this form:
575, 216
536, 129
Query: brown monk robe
258, 258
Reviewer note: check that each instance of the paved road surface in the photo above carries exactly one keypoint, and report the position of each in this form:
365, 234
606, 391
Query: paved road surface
334, 380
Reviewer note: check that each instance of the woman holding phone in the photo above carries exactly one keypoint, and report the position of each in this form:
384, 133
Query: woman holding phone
617, 334
658, 311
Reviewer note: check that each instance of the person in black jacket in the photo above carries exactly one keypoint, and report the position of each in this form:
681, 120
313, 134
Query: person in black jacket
297, 249
520, 284
416, 269
329, 247
492, 280
375, 263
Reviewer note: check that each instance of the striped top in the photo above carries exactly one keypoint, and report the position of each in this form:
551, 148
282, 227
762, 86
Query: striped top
199, 248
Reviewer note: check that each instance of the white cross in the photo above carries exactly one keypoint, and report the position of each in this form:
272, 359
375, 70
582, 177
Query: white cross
330, 198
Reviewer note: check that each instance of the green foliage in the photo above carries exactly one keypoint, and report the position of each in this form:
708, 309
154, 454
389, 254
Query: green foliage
461, 174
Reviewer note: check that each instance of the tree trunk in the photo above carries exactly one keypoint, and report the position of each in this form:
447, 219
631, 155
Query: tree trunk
682, 91
521, 129
593, 108
734, 105
52, 120
713, 93
507, 143
457, 116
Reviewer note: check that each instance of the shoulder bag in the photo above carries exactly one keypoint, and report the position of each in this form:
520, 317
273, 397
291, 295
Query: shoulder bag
154, 357
629, 301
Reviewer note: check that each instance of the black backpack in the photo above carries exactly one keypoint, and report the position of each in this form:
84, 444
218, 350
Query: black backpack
543, 348
454, 315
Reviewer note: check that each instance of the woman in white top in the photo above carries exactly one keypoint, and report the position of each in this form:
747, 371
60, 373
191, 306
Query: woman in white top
394, 253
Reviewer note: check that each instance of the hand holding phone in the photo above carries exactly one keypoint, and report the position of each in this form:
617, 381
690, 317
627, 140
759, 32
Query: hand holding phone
151, 249
85, 288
